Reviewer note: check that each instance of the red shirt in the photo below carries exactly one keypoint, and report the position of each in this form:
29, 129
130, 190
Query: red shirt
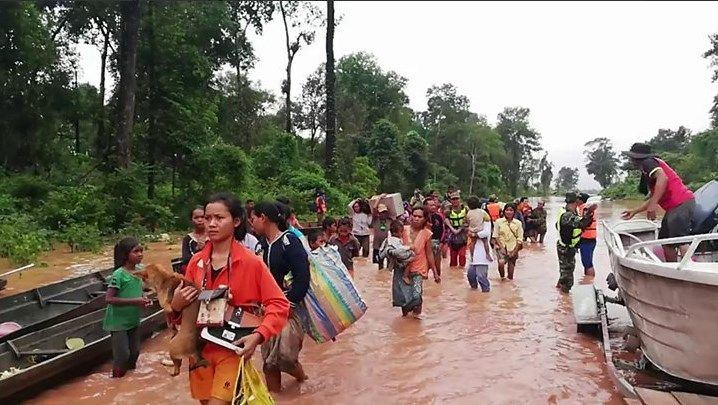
251, 283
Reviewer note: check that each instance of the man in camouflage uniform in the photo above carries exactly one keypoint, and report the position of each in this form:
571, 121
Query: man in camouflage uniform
569, 225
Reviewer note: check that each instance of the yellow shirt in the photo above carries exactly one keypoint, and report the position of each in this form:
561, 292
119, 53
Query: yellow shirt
508, 234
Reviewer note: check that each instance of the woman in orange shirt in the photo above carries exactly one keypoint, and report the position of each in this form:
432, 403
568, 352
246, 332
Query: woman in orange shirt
418, 237
225, 261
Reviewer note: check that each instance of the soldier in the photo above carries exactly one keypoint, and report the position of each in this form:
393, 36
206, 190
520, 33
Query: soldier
570, 226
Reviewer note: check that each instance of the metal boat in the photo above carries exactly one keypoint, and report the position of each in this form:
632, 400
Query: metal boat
42, 358
673, 306
54, 303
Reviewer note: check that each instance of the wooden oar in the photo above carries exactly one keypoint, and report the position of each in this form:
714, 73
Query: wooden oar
17, 270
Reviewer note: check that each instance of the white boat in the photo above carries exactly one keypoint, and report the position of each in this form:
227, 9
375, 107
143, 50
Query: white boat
673, 306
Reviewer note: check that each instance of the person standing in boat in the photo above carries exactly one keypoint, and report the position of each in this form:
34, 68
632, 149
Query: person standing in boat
570, 226
666, 191
588, 238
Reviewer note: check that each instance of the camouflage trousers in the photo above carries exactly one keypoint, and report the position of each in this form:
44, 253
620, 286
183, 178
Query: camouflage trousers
566, 266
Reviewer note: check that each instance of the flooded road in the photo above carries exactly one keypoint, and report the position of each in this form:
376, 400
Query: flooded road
515, 345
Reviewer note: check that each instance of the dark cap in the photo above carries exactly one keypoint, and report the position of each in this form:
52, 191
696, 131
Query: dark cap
571, 197
583, 196
639, 151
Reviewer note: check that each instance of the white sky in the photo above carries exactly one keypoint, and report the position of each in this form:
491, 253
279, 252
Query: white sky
619, 70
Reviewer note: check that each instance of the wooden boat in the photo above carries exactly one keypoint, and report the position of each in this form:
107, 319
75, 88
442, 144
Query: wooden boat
673, 306
54, 303
42, 358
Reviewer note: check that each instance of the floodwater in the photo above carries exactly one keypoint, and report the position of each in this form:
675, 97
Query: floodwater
514, 345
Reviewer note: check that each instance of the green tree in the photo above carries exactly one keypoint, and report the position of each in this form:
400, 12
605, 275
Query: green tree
712, 55
303, 17
601, 161
416, 153
312, 107
385, 152
129, 43
567, 179
668, 140
330, 80
521, 142
546, 170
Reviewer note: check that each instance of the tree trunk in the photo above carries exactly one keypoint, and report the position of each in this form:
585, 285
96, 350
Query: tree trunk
76, 120
152, 122
473, 170
287, 88
103, 143
130, 12
330, 83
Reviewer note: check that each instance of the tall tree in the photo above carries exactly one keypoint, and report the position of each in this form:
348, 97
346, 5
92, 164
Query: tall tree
567, 179
546, 170
521, 142
244, 15
312, 106
667, 140
601, 161
304, 17
385, 152
330, 120
130, 14
712, 55
416, 153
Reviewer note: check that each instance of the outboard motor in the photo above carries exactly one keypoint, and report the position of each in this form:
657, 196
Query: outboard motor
705, 216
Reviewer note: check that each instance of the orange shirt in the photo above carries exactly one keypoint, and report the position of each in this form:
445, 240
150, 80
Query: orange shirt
420, 264
251, 283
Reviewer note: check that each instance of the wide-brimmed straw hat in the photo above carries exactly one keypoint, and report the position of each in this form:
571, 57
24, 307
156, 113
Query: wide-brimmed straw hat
639, 150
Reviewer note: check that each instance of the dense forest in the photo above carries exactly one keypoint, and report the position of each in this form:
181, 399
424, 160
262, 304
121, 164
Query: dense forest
80, 163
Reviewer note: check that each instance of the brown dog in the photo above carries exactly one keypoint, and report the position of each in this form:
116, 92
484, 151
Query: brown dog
186, 341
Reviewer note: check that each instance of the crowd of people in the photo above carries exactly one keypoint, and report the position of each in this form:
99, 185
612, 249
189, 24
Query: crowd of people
259, 253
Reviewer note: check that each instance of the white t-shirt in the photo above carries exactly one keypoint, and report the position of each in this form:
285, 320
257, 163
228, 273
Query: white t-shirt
250, 242
479, 254
360, 224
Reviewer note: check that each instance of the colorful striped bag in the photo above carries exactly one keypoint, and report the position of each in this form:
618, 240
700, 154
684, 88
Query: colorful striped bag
333, 302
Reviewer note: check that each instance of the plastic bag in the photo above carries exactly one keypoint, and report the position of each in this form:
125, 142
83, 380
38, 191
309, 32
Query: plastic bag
253, 390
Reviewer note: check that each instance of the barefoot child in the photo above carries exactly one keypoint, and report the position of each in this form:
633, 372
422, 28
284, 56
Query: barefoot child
124, 301
475, 219
393, 249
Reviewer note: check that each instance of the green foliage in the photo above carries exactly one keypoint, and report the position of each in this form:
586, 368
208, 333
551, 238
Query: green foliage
364, 180
627, 189
21, 240
567, 179
383, 148
71, 205
521, 142
82, 238
601, 160
29, 189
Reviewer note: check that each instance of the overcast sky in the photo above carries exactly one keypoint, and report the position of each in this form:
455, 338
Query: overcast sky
619, 70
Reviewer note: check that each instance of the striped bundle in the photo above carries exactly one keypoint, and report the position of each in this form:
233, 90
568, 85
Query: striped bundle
332, 303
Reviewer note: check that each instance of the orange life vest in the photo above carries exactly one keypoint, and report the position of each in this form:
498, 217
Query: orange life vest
494, 211
590, 231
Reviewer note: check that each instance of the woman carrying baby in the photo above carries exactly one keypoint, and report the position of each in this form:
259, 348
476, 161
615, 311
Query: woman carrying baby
225, 261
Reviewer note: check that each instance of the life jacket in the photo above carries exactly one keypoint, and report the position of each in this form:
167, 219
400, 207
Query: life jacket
457, 218
676, 192
590, 232
494, 211
569, 237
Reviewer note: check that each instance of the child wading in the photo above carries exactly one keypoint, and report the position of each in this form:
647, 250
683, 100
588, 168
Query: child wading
125, 300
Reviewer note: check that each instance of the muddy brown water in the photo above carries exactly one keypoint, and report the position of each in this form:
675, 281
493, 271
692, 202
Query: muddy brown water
514, 345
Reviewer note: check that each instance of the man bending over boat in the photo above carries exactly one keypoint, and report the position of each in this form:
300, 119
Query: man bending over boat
667, 191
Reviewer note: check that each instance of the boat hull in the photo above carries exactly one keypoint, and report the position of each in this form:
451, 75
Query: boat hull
30, 380
52, 304
675, 313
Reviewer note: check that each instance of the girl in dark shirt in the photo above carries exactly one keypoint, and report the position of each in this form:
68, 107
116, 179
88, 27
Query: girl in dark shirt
288, 262
194, 241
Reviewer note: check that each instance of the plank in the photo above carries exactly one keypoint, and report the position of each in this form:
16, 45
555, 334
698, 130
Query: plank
687, 398
653, 397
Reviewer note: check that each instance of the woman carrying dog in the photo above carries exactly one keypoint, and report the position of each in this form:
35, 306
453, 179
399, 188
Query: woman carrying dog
225, 261
287, 259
